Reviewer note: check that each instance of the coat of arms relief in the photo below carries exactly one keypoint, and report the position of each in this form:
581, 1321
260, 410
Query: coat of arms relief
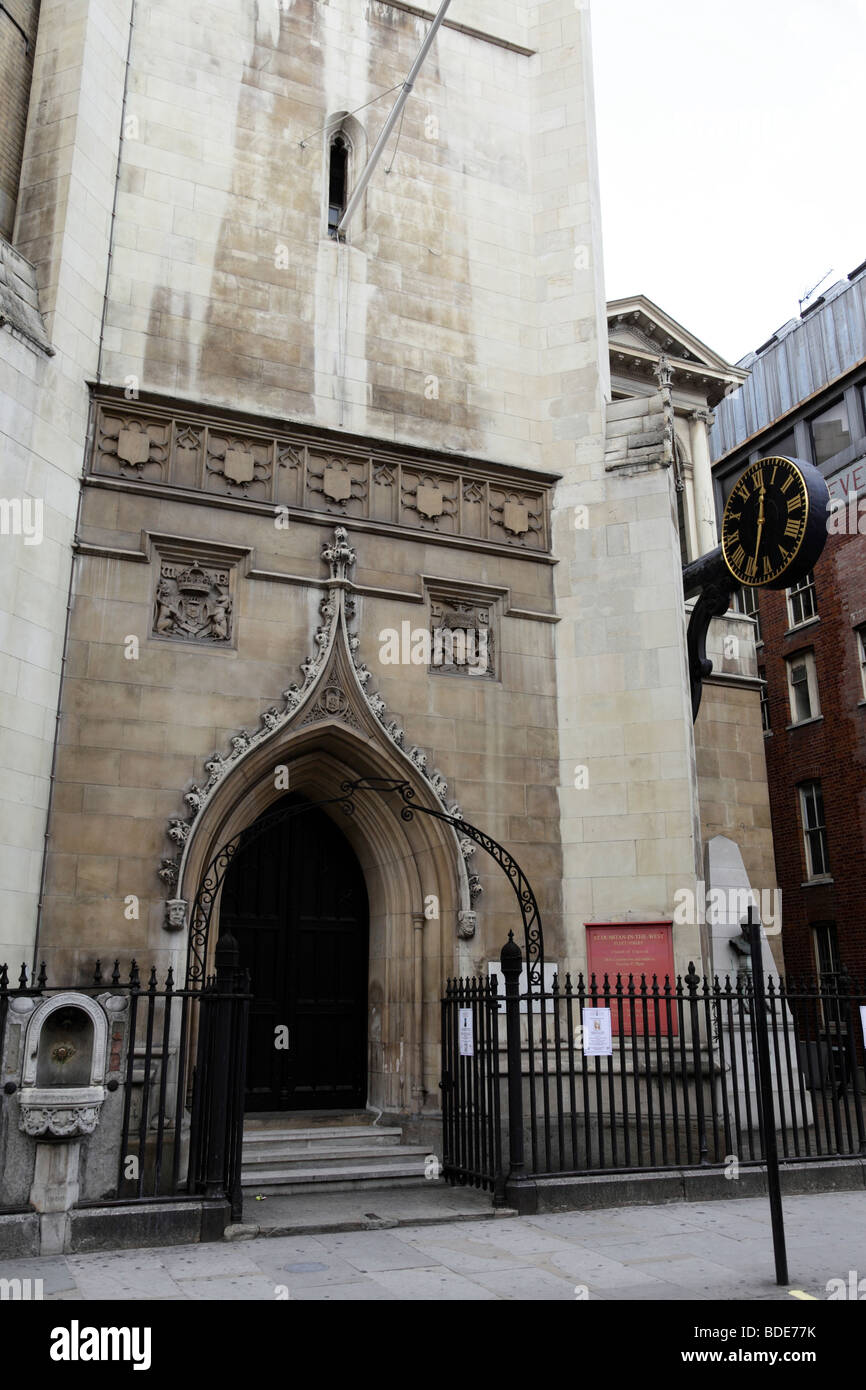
193, 601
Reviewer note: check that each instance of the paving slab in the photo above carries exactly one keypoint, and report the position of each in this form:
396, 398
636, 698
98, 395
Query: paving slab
529, 1284
363, 1292
367, 1251
433, 1284
240, 1287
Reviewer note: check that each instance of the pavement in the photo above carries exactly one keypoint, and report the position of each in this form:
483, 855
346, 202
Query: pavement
708, 1251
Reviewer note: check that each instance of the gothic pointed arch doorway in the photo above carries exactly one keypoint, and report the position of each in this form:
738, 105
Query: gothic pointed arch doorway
296, 903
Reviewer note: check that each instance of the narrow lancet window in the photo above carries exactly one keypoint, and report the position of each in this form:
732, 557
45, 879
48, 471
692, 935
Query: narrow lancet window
338, 180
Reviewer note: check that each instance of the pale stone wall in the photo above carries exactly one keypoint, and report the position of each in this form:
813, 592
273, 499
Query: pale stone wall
630, 836
729, 740
62, 228
630, 829
225, 287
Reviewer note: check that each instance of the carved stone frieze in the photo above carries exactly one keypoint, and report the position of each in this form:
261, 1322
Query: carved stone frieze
233, 457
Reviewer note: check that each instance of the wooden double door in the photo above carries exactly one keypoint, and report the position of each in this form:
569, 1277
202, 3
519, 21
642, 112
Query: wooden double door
296, 902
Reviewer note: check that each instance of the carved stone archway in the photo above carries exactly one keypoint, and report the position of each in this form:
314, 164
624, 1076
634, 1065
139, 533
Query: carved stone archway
410, 871
334, 729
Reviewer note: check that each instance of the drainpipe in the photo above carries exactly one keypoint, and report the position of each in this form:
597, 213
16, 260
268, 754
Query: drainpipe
392, 120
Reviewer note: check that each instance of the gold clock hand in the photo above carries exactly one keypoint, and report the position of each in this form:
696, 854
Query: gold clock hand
760, 524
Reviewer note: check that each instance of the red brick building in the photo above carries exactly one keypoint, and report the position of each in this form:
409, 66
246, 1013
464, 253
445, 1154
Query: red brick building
806, 398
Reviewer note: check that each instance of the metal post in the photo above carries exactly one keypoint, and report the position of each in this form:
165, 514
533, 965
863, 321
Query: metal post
768, 1115
519, 1190
394, 116
692, 980
218, 1141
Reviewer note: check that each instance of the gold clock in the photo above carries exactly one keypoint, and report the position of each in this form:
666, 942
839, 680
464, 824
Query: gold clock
774, 523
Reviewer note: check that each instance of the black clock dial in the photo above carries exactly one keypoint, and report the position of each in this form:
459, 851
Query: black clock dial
765, 522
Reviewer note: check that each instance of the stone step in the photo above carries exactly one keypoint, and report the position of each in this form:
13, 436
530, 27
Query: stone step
284, 1142
336, 1179
266, 1120
326, 1158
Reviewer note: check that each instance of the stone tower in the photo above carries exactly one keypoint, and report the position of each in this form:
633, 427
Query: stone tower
298, 450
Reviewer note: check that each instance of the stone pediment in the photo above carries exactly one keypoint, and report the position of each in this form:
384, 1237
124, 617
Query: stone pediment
640, 324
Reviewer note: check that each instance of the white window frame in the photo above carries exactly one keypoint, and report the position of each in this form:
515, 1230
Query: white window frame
830, 931
797, 593
819, 828
860, 637
806, 659
748, 604
766, 722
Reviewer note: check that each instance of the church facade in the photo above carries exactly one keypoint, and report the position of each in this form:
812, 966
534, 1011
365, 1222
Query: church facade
407, 505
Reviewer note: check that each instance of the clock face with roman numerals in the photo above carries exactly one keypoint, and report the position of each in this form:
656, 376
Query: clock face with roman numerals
768, 519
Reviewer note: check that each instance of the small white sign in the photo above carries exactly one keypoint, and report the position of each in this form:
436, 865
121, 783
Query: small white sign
863, 1022
466, 1034
597, 1034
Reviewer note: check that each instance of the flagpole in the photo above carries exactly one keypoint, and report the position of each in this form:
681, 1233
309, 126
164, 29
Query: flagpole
394, 116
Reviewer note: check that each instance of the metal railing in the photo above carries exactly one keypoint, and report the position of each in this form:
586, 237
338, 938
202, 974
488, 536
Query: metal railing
679, 1087
472, 1134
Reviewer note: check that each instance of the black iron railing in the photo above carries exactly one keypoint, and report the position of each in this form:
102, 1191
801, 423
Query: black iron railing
472, 1134
679, 1087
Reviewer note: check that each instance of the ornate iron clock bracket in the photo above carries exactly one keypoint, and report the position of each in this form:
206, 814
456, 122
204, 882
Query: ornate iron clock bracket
711, 575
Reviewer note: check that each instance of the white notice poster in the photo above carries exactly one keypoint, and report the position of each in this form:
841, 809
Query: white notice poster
465, 1033
863, 1021
597, 1035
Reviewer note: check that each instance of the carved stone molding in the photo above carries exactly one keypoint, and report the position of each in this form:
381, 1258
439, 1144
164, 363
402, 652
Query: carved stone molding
335, 686
61, 1120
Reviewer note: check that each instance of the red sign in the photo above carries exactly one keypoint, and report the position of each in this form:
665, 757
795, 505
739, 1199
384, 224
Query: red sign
633, 948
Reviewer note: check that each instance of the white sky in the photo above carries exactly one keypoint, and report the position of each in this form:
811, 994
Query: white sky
731, 146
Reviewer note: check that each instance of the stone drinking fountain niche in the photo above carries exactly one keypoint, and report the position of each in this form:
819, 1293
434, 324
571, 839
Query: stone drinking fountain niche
64, 1067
